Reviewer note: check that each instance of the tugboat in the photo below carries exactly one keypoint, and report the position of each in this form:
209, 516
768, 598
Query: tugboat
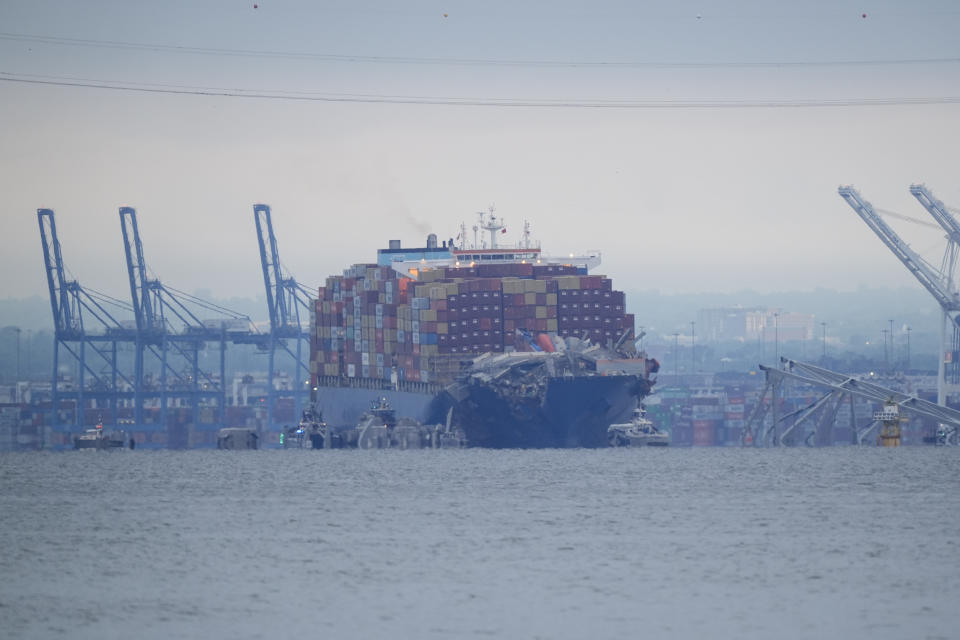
379, 428
447, 436
97, 438
315, 429
639, 432
237, 438
375, 427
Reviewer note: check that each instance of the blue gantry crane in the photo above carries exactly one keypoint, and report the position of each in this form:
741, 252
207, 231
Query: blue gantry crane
160, 366
88, 335
288, 304
170, 333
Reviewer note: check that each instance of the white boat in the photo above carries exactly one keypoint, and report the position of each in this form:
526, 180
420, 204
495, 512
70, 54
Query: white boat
639, 432
99, 439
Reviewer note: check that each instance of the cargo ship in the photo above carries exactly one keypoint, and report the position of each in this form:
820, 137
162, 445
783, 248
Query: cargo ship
528, 350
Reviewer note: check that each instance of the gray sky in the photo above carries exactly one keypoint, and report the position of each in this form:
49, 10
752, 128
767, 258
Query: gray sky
678, 198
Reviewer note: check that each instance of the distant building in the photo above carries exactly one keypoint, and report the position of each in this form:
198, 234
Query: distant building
754, 323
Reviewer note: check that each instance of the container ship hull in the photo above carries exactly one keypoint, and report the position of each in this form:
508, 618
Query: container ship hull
572, 412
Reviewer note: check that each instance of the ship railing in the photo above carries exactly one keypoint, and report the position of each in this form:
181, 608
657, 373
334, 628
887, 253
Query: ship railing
379, 384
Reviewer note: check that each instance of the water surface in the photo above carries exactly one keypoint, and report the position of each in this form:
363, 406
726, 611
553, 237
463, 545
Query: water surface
671, 543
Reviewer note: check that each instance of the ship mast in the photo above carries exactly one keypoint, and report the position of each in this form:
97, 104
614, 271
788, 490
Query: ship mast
476, 228
492, 226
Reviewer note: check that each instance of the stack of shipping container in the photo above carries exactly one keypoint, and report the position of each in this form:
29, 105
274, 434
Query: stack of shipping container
373, 323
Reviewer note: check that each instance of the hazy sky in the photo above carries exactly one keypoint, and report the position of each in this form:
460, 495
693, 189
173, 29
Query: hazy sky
678, 198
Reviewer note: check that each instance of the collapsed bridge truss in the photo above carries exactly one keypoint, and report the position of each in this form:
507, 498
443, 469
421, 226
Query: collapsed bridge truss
840, 388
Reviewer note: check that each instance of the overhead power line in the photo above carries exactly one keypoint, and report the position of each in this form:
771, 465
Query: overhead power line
474, 102
454, 61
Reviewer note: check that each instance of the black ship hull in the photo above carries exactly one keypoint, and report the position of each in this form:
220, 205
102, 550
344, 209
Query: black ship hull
569, 412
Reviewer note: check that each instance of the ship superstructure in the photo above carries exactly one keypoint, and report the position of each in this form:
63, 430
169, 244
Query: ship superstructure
456, 253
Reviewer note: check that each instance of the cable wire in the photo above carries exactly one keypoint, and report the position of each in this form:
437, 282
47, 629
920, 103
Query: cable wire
485, 102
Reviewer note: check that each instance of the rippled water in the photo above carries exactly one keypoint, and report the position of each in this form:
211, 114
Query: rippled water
674, 543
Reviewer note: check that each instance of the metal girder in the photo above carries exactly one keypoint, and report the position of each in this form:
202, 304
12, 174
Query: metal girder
823, 432
862, 433
807, 412
817, 376
757, 436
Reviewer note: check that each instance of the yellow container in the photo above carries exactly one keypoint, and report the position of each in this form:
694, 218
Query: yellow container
513, 285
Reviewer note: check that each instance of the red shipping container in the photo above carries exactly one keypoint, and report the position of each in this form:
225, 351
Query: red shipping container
704, 433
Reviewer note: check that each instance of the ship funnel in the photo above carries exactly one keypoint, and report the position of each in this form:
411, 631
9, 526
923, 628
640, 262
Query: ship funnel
394, 244
432, 241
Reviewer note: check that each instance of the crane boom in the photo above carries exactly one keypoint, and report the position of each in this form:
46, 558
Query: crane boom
288, 307
927, 275
938, 210
136, 270
270, 262
56, 278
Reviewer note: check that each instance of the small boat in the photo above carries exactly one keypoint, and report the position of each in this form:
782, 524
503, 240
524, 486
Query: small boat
237, 438
639, 432
379, 428
314, 428
98, 438
375, 427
